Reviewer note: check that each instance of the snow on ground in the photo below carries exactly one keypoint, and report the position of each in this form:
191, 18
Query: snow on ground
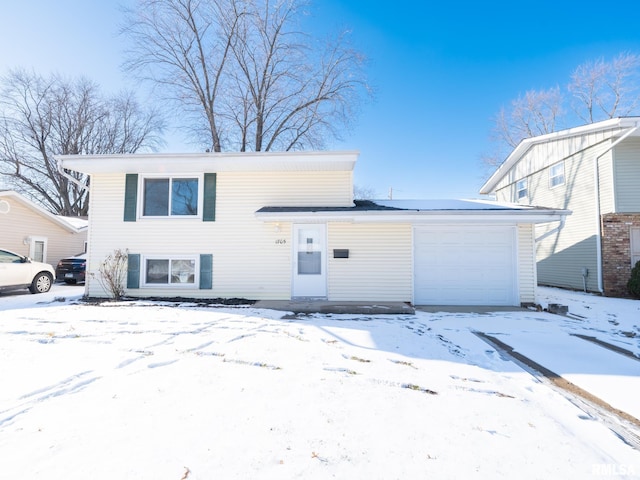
150, 390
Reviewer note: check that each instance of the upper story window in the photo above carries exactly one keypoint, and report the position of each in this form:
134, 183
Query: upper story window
170, 196
556, 175
521, 189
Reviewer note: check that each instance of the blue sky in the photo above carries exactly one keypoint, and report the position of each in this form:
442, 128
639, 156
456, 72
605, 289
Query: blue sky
441, 70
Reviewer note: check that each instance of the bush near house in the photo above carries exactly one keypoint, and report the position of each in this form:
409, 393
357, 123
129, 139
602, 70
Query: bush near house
113, 273
634, 282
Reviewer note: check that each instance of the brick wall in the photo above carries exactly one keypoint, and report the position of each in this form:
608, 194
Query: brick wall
616, 252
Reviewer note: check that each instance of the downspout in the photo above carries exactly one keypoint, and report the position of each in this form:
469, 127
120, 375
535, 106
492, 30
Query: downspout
69, 177
596, 172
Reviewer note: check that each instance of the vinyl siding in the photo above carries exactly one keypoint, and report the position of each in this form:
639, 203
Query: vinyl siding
627, 176
250, 258
379, 267
541, 156
527, 276
605, 175
22, 222
574, 247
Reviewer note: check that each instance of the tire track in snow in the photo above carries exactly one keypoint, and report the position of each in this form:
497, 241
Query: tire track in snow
622, 424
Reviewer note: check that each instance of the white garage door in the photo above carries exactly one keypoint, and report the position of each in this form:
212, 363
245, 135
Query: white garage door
465, 265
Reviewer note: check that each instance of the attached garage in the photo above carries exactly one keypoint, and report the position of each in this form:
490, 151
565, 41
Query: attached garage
465, 265
427, 252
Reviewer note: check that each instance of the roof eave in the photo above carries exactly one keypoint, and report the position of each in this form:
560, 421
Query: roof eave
61, 222
427, 217
168, 163
527, 143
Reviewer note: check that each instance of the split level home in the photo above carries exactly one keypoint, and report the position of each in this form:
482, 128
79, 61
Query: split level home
28, 229
594, 171
282, 226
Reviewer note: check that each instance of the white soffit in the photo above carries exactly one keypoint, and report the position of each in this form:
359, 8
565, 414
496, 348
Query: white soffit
210, 162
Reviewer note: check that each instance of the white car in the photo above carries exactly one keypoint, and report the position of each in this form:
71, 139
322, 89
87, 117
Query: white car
18, 272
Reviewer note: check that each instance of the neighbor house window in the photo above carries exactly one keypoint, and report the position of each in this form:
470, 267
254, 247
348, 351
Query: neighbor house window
556, 175
172, 196
521, 189
175, 271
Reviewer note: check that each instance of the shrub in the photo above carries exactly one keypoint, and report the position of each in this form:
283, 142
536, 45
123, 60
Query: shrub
113, 273
634, 282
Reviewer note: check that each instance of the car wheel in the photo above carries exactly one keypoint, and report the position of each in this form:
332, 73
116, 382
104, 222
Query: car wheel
41, 283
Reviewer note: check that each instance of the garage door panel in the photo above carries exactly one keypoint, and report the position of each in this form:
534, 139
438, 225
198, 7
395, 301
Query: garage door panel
467, 265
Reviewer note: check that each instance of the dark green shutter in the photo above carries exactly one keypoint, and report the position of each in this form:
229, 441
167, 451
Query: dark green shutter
206, 271
133, 270
209, 200
130, 197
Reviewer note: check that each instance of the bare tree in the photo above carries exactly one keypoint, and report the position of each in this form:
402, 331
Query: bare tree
41, 117
598, 90
362, 192
535, 113
244, 74
603, 90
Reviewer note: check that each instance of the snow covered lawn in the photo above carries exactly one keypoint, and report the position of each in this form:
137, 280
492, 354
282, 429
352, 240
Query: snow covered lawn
156, 391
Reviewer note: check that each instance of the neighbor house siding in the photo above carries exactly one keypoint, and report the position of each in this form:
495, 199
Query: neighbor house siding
21, 222
526, 264
540, 156
627, 176
605, 177
241, 267
379, 267
574, 246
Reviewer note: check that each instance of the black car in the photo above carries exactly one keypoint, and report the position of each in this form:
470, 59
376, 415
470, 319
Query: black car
72, 270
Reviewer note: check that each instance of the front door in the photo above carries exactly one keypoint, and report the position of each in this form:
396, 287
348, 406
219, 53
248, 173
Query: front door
309, 261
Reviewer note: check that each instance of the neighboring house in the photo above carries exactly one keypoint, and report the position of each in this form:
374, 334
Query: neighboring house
280, 226
30, 230
594, 171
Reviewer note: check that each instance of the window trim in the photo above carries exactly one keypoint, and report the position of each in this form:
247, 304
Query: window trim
141, 189
551, 176
525, 189
190, 257
32, 248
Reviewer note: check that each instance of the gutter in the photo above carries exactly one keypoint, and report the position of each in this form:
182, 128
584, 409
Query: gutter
69, 177
596, 173
417, 217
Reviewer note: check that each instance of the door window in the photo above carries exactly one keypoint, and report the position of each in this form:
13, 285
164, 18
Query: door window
38, 251
309, 254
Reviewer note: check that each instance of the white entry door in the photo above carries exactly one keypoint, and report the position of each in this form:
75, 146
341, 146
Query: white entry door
309, 260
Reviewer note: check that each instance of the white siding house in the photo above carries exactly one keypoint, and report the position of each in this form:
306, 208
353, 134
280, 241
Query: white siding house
32, 231
277, 226
593, 171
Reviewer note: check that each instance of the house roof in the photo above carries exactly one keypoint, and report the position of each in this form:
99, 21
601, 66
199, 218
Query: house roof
172, 163
416, 211
617, 127
71, 224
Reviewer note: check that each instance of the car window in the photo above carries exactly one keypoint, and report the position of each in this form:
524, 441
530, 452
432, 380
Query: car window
8, 257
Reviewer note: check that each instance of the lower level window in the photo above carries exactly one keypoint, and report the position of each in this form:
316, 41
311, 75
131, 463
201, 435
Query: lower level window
170, 271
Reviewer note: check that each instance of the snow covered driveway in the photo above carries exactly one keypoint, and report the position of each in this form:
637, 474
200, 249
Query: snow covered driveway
156, 391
